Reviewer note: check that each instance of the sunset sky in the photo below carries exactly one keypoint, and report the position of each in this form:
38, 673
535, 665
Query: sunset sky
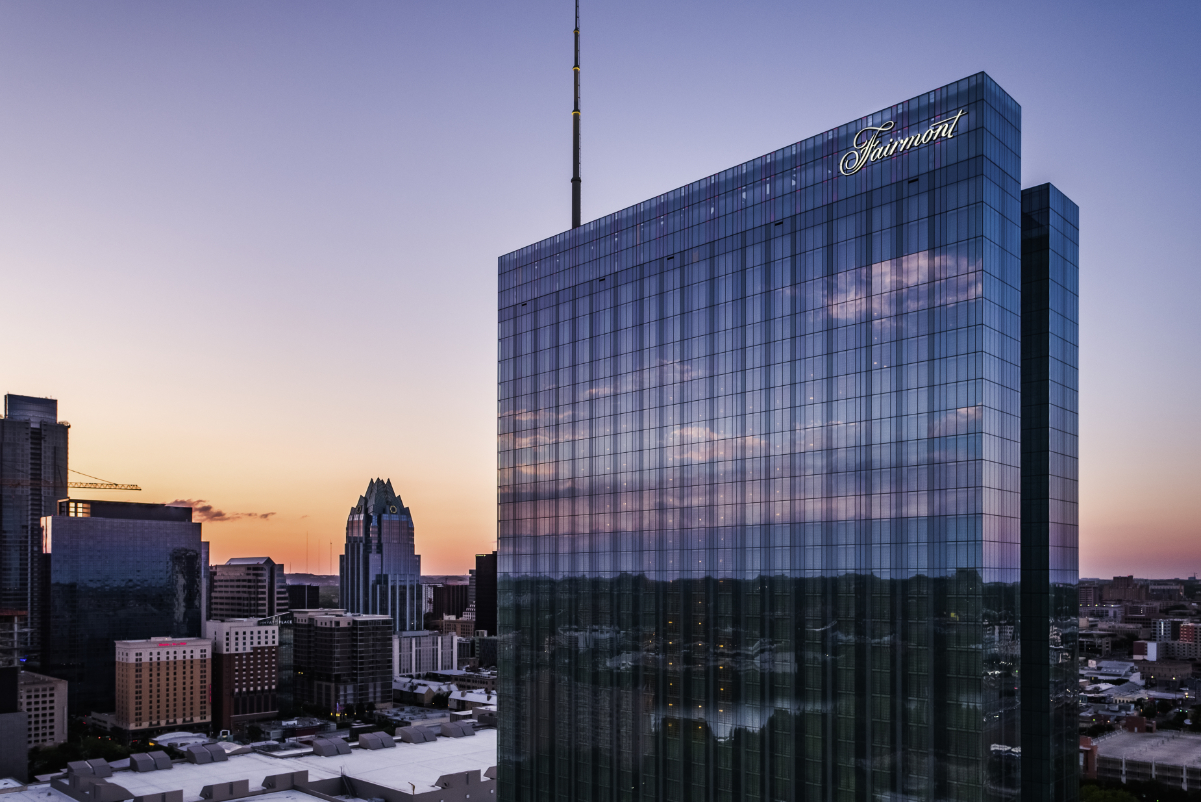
251, 247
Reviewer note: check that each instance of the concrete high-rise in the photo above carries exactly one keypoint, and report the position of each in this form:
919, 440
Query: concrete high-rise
341, 660
117, 571
248, 587
416, 653
380, 571
162, 684
787, 478
33, 477
245, 672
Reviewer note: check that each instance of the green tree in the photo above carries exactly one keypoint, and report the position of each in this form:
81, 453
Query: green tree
1093, 793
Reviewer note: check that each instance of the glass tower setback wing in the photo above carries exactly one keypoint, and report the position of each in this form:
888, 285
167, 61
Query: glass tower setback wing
758, 477
1050, 434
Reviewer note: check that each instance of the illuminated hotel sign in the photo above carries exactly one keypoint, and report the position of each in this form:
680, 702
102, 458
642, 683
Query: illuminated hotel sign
180, 643
868, 148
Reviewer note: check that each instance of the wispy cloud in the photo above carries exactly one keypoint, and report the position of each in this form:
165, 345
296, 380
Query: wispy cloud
204, 512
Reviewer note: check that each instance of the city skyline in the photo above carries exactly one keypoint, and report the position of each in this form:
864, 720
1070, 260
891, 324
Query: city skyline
221, 196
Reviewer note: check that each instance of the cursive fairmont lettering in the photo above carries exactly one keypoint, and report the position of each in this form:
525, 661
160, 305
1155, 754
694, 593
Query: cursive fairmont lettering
868, 147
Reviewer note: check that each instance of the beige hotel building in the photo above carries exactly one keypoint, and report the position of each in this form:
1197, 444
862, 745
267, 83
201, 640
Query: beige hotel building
163, 682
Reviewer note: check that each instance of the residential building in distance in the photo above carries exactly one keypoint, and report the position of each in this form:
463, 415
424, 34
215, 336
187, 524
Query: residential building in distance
380, 571
245, 672
44, 699
416, 653
463, 627
787, 489
304, 597
1168, 629
248, 587
1165, 590
33, 476
116, 571
485, 593
1125, 588
1089, 594
341, 659
163, 684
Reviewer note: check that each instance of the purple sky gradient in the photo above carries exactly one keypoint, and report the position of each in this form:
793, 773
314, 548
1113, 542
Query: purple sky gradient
251, 247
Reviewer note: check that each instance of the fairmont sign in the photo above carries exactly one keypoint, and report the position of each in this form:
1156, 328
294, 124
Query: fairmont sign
869, 148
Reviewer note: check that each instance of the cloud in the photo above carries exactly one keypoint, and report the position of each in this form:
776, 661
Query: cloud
205, 512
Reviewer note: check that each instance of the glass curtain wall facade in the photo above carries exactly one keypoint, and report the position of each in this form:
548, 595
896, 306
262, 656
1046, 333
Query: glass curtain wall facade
759, 516
117, 571
1050, 393
33, 477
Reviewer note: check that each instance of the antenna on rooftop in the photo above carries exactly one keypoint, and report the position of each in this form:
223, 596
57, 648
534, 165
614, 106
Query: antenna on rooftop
575, 126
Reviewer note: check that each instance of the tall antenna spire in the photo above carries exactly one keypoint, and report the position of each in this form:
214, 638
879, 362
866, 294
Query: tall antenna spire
575, 125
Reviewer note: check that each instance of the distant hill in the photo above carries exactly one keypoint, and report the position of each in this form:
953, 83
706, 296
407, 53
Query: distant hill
324, 580
444, 579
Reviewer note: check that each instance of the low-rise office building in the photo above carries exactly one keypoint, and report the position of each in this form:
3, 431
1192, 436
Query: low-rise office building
163, 684
45, 700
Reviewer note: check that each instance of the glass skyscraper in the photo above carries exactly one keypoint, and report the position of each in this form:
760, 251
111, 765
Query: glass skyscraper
768, 465
116, 571
379, 570
33, 476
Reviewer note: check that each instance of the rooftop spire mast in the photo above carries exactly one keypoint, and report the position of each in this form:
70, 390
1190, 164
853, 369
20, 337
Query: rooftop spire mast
575, 124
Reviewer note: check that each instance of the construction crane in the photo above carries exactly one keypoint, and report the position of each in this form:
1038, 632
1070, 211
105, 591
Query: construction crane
99, 484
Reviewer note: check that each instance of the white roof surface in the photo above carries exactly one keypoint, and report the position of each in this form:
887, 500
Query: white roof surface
1168, 747
419, 764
